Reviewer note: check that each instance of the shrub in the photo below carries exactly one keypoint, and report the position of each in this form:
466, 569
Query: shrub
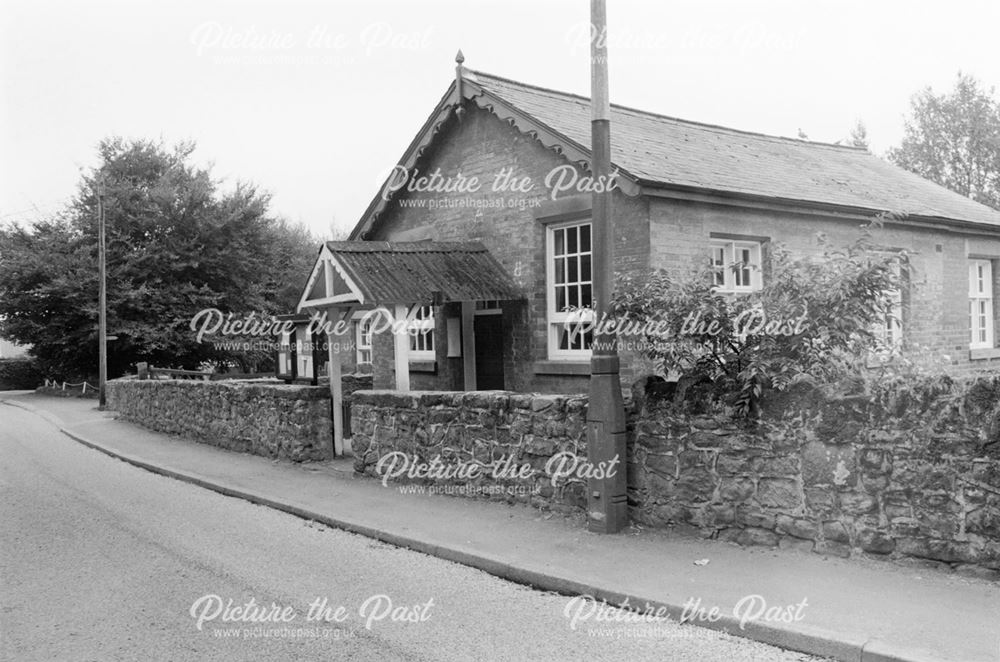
814, 320
17, 374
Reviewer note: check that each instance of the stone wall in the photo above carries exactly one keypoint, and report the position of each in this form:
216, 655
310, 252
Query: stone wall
270, 419
912, 470
909, 472
508, 435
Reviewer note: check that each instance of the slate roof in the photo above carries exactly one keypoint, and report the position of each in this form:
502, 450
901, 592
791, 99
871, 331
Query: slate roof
411, 272
666, 151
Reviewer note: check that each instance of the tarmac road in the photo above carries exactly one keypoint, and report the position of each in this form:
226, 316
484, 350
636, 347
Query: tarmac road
100, 560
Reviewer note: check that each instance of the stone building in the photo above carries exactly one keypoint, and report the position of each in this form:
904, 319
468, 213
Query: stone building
505, 164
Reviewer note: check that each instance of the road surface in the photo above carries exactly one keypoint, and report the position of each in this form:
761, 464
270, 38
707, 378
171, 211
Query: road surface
100, 560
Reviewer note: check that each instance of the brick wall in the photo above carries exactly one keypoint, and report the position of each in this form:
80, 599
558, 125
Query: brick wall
481, 146
938, 314
650, 231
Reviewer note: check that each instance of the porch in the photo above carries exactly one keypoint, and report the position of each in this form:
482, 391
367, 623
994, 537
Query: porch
427, 301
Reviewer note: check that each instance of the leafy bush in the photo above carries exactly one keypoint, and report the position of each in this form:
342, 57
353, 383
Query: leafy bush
814, 320
18, 374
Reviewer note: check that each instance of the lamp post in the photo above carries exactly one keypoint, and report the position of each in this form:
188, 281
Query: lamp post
607, 507
102, 324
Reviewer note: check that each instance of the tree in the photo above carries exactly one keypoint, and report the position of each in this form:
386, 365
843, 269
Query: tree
954, 139
176, 245
814, 320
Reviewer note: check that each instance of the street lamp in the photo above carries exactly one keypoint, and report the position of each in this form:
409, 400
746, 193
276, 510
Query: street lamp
607, 506
102, 305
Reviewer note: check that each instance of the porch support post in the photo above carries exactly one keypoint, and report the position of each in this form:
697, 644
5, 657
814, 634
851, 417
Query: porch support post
402, 345
336, 383
469, 345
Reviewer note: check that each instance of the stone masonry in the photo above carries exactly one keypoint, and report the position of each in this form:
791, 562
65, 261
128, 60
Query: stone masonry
269, 419
912, 471
502, 432
909, 472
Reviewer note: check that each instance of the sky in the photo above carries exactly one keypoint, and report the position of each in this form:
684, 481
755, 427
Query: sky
314, 101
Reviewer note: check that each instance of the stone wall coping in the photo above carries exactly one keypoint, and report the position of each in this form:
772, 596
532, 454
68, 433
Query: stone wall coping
474, 399
275, 389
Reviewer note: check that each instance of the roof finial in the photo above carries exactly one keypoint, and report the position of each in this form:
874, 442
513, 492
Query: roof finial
459, 111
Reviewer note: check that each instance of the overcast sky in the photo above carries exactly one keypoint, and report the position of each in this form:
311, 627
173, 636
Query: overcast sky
314, 101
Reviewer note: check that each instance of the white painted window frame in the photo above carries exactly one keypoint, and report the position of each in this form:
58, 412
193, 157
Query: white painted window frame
981, 331
888, 329
363, 341
285, 365
420, 327
556, 318
731, 277
303, 356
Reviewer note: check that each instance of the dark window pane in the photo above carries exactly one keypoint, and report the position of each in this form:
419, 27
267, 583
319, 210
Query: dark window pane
560, 299
585, 238
718, 256
585, 268
574, 296
586, 296
572, 275
560, 242
560, 270
571, 240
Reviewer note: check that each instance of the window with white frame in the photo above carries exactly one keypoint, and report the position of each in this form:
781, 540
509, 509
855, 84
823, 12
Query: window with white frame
569, 253
285, 353
736, 265
421, 329
981, 303
363, 340
888, 328
304, 355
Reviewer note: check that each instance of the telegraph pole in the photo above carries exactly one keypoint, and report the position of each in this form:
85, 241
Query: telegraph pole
102, 325
607, 508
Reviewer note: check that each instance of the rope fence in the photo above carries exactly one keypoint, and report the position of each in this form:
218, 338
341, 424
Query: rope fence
54, 384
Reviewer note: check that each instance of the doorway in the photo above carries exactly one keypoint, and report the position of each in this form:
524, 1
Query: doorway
488, 331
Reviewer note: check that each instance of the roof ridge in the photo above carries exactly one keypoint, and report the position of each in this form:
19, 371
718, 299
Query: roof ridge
680, 120
407, 246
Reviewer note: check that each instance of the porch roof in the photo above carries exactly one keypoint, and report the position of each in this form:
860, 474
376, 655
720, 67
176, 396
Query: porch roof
420, 272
